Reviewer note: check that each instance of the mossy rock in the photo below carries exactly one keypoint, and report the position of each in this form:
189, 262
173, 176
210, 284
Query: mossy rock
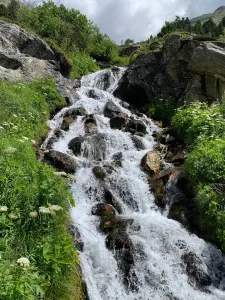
176, 213
99, 172
66, 123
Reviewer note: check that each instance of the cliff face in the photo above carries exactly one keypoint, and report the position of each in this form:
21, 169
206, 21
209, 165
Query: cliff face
185, 70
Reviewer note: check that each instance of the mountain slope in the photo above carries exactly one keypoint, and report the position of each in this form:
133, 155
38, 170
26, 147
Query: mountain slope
217, 16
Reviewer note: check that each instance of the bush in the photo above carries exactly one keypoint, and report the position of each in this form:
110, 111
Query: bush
202, 128
210, 202
206, 163
197, 120
160, 109
82, 64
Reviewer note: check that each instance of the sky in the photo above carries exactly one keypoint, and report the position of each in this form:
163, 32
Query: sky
138, 19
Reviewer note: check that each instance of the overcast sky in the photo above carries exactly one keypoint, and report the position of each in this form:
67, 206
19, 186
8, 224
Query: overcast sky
138, 19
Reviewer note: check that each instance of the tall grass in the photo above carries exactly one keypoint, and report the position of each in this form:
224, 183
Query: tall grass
36, 251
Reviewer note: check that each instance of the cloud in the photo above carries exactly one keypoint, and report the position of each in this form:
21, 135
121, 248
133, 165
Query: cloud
138, 19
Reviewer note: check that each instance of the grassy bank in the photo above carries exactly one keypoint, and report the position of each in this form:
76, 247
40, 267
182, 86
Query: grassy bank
202, 129
37, 257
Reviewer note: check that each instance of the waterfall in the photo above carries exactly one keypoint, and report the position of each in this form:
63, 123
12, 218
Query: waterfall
158, 271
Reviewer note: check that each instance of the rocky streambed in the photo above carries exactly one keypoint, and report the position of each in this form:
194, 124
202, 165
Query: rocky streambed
132, 211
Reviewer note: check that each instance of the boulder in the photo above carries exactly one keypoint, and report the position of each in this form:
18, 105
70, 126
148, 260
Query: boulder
119, 121
25, 57
151, 162
117, 159
66, 123
90, 125
138, 143
75, 145
136, 126
111, 110
111, 199
74, 112
195, 269
99, 172
103, 209
55, 136
61, 161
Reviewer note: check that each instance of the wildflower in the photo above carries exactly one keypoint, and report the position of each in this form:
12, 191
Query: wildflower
23, 262
21, 141
14, 115
13, 216
3, 208
10, 150
34, 214
44, 210
25, 138
33, 142
54, 208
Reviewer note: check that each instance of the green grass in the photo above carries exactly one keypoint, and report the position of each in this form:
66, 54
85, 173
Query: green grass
40, 235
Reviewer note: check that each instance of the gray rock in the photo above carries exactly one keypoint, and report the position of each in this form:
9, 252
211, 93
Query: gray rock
183, 71
75, 145
111, 110
195, 269
61, 161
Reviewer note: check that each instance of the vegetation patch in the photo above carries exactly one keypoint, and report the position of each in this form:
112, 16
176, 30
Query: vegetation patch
37, 256
202, 129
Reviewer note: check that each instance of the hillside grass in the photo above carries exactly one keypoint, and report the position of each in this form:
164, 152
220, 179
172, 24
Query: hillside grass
34, 202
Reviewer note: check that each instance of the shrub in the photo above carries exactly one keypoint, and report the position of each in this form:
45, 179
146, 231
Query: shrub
192, 122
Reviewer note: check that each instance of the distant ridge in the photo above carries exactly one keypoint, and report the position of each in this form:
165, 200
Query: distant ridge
219, 9
217, 16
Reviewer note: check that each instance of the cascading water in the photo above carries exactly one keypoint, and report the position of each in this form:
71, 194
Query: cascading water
158, 271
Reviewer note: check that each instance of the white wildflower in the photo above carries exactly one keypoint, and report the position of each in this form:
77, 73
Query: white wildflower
13, 216
44, 210
54, 208
3, 208
21, 141
34, 214
23, 262
25, 138
10, 150
33, 142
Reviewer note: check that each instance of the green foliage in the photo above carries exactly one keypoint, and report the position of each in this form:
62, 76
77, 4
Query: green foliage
82, 64
3, 11
160, 109
197, 120
208, 28
13, 8
34, 202
128, 42
202, 128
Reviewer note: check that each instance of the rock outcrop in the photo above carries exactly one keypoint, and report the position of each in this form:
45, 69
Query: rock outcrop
184, 70
24, 57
